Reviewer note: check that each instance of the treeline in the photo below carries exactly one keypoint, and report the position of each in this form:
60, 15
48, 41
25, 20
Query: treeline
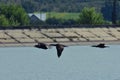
55, 5
86, 16
15, 15
103, 6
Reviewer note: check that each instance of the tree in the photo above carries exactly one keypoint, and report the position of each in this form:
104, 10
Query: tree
107, 10
90, 16
111, 10
114, 12
30, 6
3, 21
15, 14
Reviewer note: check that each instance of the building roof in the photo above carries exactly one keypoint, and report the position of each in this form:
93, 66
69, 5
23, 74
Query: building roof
41, 16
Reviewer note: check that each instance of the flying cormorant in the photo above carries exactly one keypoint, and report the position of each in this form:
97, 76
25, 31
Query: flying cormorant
101, 45
59, 48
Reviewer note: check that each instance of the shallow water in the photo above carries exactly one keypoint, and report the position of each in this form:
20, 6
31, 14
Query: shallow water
76, 63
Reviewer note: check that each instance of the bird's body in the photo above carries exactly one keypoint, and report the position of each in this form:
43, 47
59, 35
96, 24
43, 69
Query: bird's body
41, 45
101, 45
59, 48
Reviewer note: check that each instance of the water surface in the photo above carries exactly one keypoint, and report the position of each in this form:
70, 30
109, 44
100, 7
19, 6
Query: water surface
76, 63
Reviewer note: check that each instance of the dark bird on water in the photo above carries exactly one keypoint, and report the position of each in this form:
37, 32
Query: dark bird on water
101, 45
41, 45
60, 48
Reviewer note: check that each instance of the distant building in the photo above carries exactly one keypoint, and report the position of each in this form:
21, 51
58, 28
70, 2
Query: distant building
37, 18
40, 16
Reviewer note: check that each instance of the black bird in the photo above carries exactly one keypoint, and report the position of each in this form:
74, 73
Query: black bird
41, 45
101, 45
59, 48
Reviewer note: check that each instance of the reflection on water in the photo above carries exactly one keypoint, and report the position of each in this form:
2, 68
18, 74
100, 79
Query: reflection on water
76, 63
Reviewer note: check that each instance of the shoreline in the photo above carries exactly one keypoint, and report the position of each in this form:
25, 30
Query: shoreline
82, 43
66, 36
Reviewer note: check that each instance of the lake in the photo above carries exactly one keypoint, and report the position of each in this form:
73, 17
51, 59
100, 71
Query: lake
76, 63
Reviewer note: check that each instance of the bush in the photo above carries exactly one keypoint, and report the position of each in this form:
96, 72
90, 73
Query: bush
90, 16
3, 21
15, 14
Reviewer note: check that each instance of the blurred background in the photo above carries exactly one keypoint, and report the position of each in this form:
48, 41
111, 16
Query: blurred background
59, 12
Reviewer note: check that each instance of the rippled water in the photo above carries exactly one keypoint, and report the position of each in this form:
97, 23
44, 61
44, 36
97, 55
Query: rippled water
76, 63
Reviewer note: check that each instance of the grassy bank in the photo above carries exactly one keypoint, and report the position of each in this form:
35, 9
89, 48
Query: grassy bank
63, 15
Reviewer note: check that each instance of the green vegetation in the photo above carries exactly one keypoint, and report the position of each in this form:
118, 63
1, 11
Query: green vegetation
56, 5
13, 15
63, 12
111, 10
55, 21
90, 16
3, 20
69, 6
63, 15
86, 16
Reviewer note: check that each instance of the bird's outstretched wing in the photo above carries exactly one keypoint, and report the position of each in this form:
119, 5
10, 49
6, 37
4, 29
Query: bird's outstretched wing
59, 48
59, 51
